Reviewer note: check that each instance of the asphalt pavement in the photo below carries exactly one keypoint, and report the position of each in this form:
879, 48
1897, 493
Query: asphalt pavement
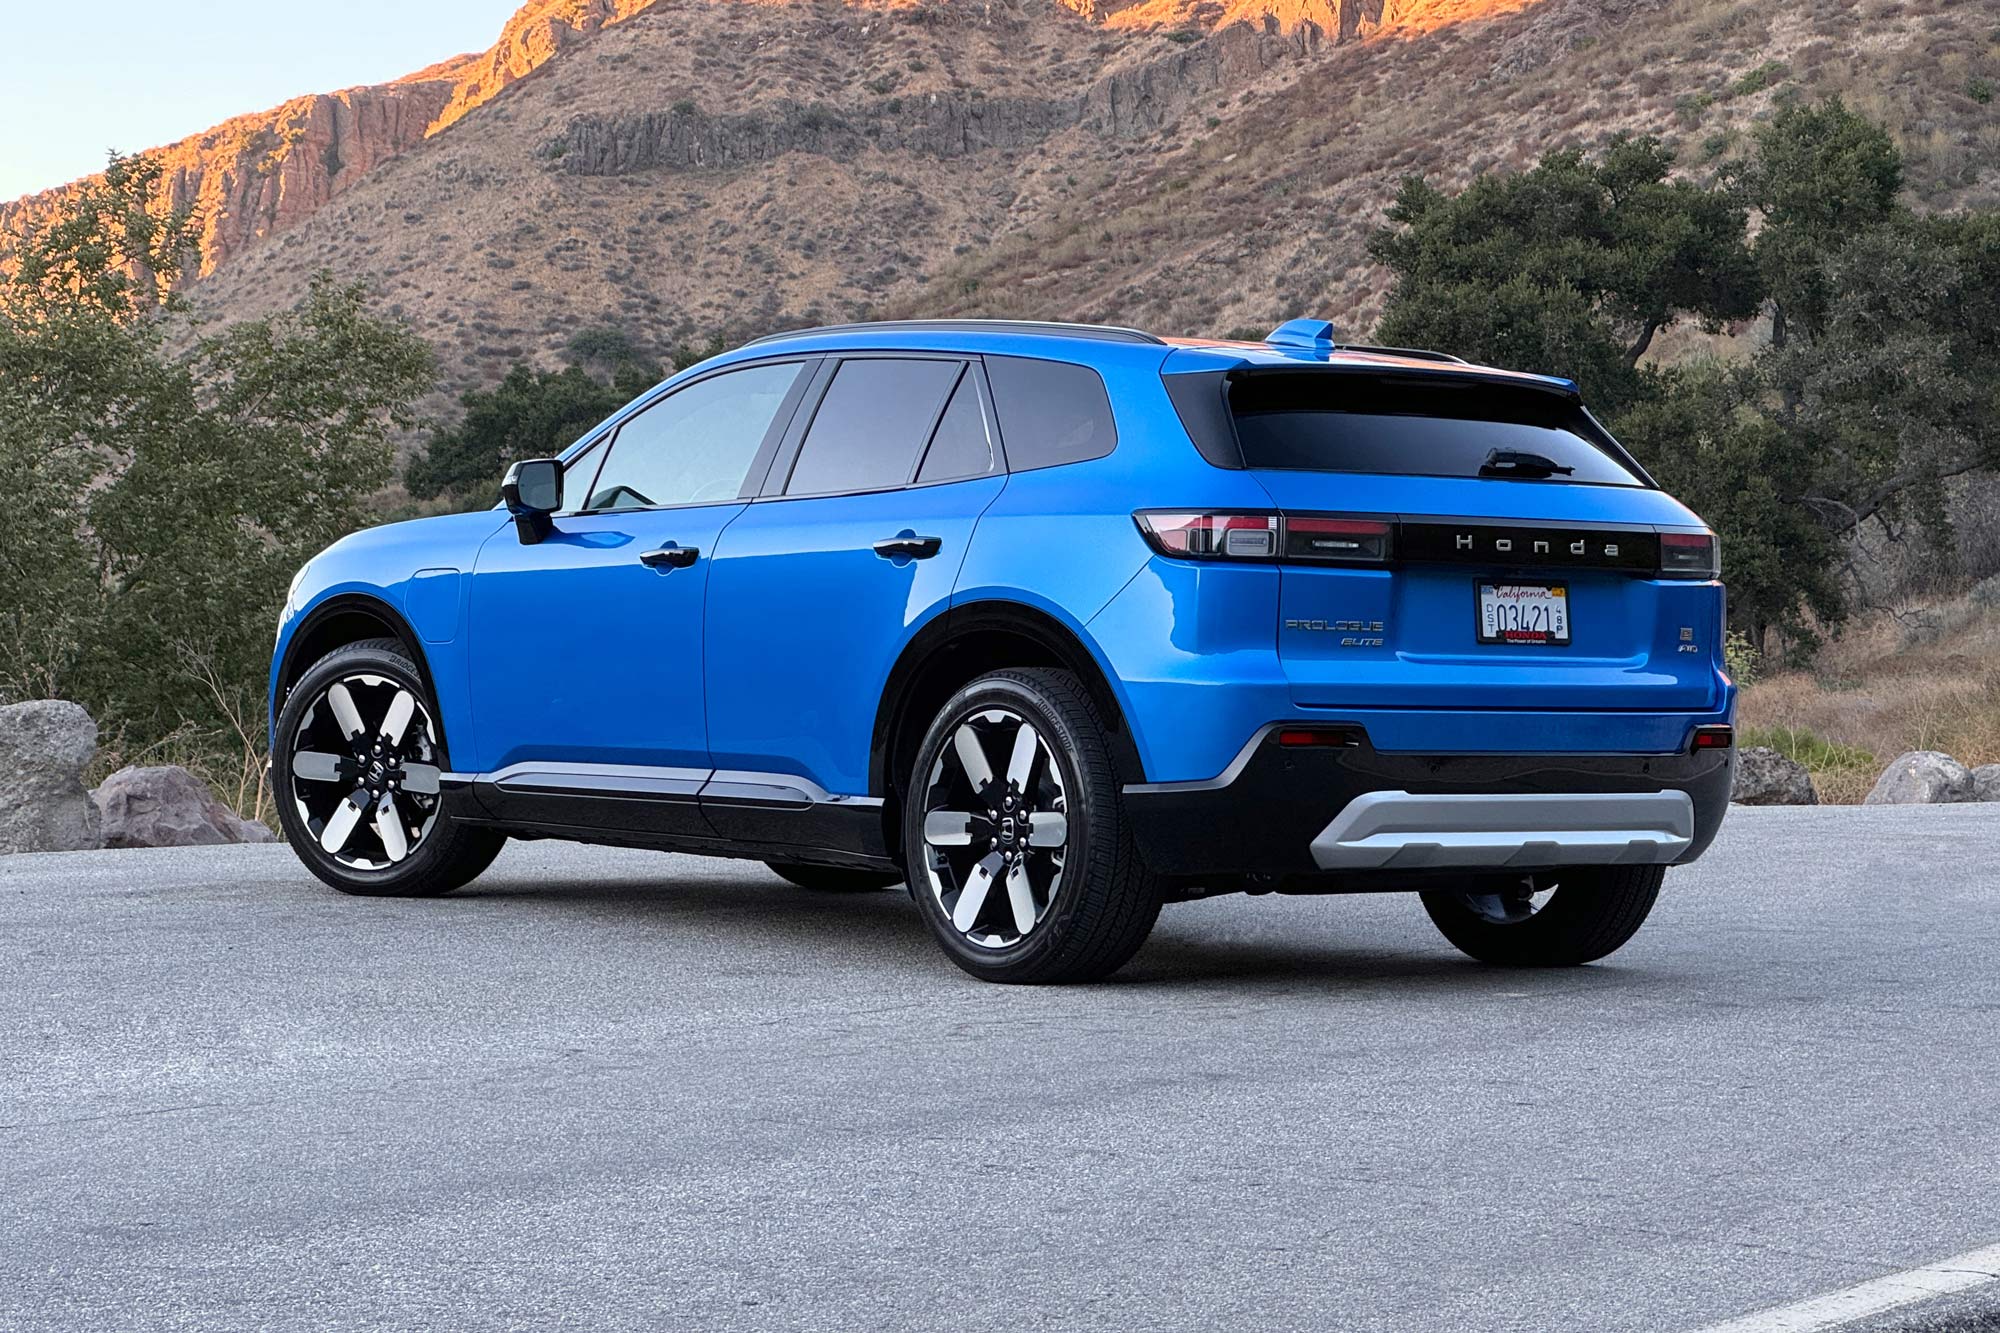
611, 1089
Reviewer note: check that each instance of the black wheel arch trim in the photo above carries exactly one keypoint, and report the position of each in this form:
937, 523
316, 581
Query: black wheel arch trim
350, 609
966, 623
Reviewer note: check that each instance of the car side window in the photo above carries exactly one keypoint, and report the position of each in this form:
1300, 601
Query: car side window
694, 446
876, 415
959, 446
1051, 412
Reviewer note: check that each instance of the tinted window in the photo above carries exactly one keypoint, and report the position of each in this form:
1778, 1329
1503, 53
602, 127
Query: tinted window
694, 446
1339, 423
959, 447
876, 415
1050, 412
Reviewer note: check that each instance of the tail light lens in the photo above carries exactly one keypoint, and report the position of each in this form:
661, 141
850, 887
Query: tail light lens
1224, 536
1689, 555
1714, 738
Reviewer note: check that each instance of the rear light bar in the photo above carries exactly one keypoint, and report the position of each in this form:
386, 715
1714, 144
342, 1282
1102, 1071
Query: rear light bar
1251, 536
1689, 555
1311, 737
1714, 738
1347, 539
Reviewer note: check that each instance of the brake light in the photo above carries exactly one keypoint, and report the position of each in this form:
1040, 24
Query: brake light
1244, 536
1689, 555
1714, 738
1306, 738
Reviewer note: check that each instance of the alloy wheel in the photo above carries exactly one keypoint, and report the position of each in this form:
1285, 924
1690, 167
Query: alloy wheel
364, 771
995, 835
1510, 902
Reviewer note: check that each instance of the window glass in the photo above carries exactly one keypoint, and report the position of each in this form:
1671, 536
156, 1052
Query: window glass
876, 415
1338, 423
959, 448
1050, 412
694, 446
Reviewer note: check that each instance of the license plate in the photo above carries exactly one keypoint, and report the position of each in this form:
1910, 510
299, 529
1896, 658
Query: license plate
1530, 613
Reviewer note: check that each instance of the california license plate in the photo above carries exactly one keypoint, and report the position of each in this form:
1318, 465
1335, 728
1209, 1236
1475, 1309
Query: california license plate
1530, 613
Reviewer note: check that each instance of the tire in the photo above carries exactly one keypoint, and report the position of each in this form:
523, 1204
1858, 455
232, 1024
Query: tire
1081, 907
832, 879
439, 853
1590, 913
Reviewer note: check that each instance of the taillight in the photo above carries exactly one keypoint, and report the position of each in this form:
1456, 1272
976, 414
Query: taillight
1242, 536
1689, 555
1714, 738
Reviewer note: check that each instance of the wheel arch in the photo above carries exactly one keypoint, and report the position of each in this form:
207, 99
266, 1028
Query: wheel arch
959, 646
341, 620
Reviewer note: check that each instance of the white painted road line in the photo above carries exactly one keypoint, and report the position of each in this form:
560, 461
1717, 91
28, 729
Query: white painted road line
1975, 1268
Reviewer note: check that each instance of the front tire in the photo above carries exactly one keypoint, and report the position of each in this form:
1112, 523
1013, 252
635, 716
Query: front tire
831, 879
355, 774
1557, 918
1019, 853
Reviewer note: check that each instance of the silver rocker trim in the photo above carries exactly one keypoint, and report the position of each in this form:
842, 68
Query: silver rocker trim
1395, 830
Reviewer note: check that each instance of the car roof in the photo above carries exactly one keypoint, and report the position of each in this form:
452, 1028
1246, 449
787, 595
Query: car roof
1294, 345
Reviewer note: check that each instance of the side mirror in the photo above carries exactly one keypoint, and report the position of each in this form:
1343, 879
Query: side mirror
533, 491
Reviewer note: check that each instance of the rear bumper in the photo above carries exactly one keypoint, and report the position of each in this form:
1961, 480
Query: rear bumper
1353, 817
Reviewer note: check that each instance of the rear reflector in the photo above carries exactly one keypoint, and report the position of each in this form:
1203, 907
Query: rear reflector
1299, 738
1689, 555
1714, 738
1244, 536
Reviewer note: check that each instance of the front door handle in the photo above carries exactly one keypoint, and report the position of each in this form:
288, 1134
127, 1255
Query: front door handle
670, 556
909, 545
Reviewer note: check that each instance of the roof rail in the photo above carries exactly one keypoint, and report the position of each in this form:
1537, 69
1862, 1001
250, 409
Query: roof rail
1413, 353
1100, 332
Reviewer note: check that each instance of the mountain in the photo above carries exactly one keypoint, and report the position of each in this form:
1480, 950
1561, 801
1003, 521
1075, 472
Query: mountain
685, 167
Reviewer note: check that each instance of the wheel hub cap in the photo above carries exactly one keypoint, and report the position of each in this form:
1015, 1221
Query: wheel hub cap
364, 772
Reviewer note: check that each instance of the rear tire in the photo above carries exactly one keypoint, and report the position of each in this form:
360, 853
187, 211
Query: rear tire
1015, 836
1588, 914
437, 853
832, 879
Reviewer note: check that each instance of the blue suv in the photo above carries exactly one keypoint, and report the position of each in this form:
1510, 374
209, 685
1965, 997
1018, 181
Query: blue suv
1055, 624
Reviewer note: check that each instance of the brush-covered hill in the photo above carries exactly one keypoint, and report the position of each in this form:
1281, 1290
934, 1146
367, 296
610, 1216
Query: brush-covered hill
686, 167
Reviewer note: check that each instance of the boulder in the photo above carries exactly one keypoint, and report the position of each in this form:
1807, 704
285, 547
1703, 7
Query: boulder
168, 806
1986, 782
45, 744
1922, 777
1766, 777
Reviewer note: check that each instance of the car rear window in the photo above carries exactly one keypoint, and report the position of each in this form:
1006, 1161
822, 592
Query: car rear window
1423, 428
1051, 412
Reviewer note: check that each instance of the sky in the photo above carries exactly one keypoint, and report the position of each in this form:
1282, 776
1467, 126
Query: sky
133, 74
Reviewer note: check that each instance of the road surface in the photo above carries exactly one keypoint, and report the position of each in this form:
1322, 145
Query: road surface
609, 1089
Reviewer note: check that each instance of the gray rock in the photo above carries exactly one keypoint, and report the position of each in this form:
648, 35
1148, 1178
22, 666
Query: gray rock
1765, 777
1986, 782
168, 807
45, 744
1922, 777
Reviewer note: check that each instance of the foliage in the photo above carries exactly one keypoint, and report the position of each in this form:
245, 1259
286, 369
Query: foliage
1571, 267
165, 492
1809, 748
1740, 656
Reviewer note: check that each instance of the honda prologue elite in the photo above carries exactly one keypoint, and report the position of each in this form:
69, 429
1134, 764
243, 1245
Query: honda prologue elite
1053, 623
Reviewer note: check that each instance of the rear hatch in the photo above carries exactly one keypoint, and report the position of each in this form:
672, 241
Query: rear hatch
1459, 541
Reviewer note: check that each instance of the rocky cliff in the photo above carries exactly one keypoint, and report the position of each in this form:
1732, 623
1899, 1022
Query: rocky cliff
259, 174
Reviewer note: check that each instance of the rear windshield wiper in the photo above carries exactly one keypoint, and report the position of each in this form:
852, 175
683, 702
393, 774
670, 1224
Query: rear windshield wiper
1519, 463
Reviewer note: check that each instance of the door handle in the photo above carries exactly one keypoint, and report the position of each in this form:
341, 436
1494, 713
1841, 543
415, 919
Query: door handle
670, 556
908, 544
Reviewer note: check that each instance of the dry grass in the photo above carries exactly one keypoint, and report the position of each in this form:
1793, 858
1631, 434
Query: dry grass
1926, 677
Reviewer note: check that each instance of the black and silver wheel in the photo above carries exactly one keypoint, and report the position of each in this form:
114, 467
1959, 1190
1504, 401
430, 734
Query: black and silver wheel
356, 771
1015, 839
1553, 918
832, 879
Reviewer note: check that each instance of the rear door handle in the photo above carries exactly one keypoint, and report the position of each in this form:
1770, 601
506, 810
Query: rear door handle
670, 556
908, 544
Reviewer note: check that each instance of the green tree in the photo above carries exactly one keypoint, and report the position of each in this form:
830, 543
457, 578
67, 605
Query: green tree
1570, 268
166, 492
1821, 176
529, 414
